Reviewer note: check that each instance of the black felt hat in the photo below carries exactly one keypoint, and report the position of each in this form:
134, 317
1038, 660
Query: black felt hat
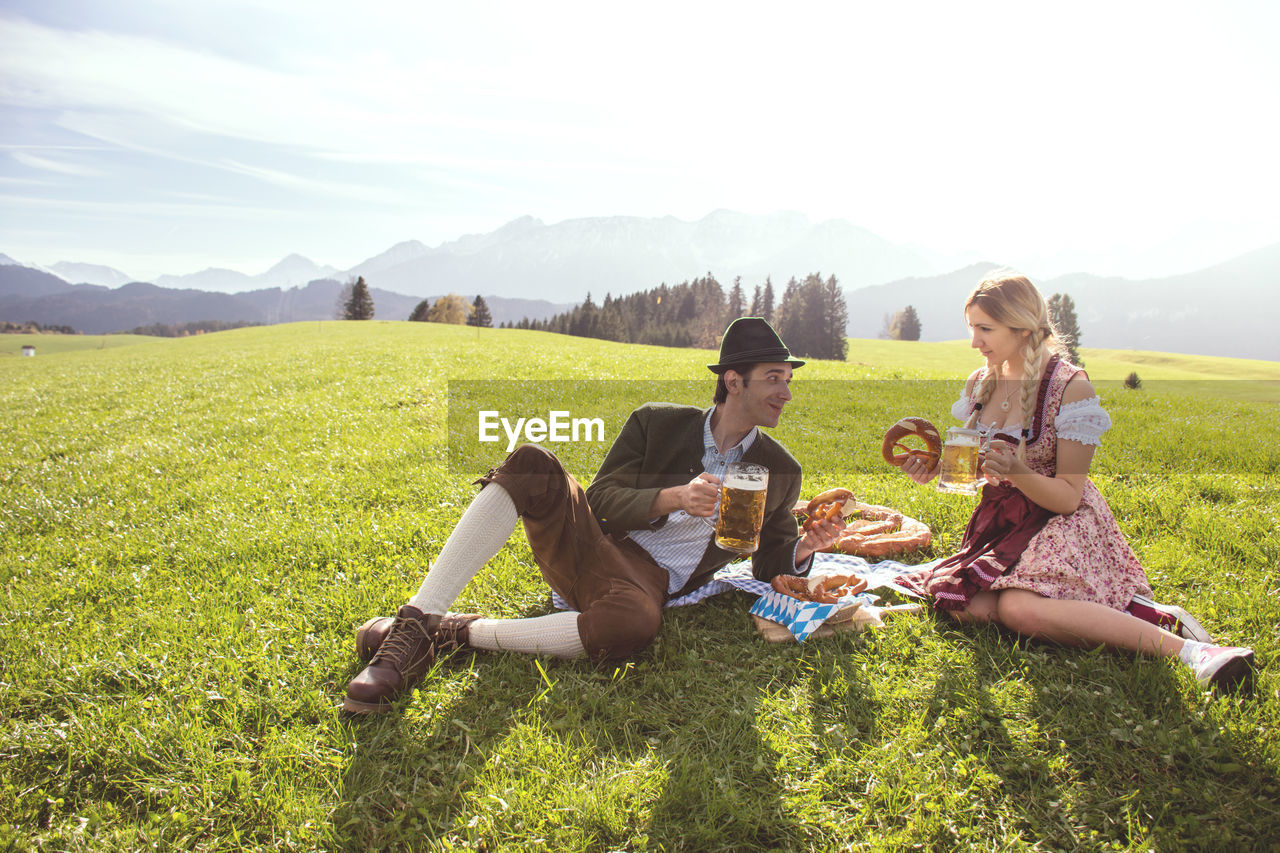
749, 340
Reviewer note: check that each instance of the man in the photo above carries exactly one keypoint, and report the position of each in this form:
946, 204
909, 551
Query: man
618, 551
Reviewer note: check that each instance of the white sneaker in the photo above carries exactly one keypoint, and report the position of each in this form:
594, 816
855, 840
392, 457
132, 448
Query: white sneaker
1187, 628
1223, 666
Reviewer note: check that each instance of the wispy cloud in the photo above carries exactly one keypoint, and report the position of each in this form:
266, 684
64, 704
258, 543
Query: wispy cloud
36, 162
932, 122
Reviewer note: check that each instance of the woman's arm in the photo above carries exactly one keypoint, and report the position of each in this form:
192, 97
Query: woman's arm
1061, 493
921, 472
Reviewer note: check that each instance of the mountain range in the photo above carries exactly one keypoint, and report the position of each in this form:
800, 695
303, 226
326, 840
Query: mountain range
40, 297
1222, 310
1228, 309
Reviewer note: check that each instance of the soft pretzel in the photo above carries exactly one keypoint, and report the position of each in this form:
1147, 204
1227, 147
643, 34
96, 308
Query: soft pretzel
911, 536
911, 426
823, 590
828, 497
882, 532
832, 505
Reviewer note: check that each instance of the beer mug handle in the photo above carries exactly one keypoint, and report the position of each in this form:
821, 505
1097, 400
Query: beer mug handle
710, 520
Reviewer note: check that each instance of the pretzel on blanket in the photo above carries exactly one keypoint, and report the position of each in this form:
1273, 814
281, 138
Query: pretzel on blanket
881, 532
871, 531
825, 590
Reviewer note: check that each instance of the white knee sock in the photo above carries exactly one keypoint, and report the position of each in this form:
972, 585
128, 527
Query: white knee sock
481, 532
1189, 650
555, 634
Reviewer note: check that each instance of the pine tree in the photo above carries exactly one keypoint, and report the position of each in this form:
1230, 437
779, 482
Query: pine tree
906, 325
812, 316
766, 305
789, 320
836, 315
480, 315
1062, 315
735, 301
419, 314
359, 305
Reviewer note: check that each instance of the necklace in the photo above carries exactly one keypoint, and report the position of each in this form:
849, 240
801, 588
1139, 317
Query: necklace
1004, 404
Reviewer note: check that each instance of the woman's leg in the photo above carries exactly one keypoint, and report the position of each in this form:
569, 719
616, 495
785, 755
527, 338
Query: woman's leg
1082, 623
981, 608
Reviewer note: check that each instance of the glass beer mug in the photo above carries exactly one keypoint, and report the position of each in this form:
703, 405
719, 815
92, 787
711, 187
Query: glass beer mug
741, 512
960, 462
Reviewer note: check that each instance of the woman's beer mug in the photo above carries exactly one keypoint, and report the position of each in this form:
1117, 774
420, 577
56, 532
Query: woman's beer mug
960, 462
741, 515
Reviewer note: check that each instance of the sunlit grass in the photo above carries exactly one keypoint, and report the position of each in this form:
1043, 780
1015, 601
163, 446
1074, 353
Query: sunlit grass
190, 529
54, 344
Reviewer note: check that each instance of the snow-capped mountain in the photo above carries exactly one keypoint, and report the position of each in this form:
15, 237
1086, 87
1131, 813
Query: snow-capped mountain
90, 274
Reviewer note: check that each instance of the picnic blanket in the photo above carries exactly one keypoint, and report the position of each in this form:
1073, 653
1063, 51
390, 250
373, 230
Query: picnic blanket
801, 618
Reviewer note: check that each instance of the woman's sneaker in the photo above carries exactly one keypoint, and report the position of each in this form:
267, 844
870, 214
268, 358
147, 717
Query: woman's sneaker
1223, 667
1170, 617
1187, 626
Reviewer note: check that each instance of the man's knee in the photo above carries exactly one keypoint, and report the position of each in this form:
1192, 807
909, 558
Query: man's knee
534, 478
619, 630
532, 459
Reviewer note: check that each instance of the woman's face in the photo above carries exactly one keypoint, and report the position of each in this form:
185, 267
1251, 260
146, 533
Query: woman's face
997, 342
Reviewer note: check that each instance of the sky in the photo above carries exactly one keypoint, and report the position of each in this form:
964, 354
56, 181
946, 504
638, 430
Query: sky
1134, 138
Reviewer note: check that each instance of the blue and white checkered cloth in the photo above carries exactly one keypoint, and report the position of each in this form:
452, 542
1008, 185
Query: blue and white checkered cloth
802, 618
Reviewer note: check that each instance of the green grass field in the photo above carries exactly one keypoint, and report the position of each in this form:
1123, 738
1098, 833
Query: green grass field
57, 344
190, 530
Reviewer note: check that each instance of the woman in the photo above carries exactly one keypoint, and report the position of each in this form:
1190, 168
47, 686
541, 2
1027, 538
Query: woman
1042, 554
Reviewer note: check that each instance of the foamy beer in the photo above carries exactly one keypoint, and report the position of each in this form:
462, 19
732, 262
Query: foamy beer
741, 516
960, 462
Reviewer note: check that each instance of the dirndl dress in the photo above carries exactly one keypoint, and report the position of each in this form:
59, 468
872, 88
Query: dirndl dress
1013, 543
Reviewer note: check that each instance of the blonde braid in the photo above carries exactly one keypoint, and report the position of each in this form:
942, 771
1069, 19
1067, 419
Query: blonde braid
1033, 362
982, 394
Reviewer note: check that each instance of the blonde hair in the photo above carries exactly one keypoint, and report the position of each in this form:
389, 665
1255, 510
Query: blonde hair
1012, 300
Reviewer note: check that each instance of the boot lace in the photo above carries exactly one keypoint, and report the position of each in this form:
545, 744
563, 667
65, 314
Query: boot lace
408, 639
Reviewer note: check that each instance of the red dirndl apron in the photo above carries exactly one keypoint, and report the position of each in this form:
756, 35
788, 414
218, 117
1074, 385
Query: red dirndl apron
997, 534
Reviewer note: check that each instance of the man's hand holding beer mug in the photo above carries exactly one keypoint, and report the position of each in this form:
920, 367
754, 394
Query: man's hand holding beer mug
700, 495
735, 508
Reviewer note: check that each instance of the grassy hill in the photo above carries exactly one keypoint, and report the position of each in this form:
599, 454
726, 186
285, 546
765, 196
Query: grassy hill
190, 529
54, 344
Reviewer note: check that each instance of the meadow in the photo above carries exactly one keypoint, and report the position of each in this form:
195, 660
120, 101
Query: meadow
191, 529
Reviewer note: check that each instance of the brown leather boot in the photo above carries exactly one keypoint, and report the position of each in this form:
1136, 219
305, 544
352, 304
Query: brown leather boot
370, 635
405, 653
451, 634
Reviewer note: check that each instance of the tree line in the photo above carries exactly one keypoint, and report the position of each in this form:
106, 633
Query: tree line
182, 330
355, 302
810, 316
7, 327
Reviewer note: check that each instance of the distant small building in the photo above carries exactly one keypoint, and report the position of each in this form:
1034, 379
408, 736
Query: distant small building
28, 349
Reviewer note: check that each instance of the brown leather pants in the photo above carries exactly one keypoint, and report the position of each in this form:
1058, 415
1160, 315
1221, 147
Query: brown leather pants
616, 587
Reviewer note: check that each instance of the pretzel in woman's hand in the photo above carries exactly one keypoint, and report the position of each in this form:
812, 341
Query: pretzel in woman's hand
919, 428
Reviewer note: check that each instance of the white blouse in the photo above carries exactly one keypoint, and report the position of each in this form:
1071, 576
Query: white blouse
1084, 420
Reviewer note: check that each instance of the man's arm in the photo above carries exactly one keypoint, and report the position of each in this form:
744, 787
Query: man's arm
621, 496
698, 497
